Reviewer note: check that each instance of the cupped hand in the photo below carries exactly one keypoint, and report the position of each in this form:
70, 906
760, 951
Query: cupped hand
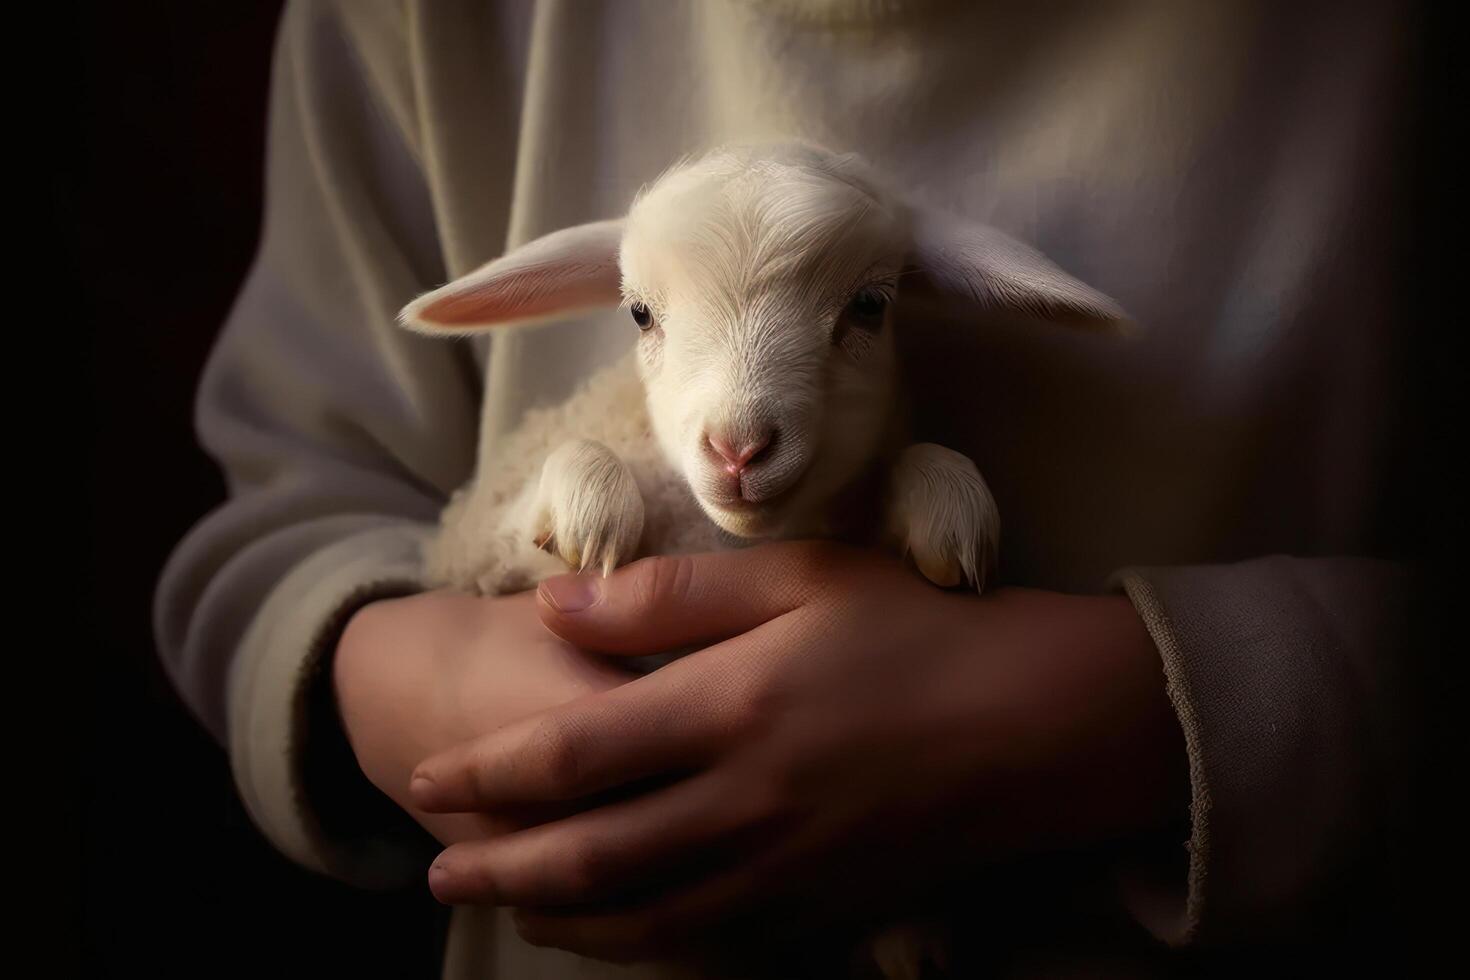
848, 737
417, 675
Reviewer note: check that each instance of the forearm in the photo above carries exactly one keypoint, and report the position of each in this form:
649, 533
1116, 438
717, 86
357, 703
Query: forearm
415, 676
378, 716
339, 435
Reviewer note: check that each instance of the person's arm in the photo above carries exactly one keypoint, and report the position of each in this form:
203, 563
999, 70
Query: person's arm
852, 733
1289, 679
340, 436
848, 739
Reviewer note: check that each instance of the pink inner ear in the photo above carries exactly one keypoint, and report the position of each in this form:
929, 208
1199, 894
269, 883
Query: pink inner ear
526, 294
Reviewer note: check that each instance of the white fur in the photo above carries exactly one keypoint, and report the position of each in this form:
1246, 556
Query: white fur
747, 260
941, 512
489, 533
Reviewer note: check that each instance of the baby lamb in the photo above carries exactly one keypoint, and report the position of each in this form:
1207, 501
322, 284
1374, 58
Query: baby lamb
759, 399
758, 402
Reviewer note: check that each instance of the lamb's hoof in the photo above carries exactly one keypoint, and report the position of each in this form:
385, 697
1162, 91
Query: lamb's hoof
591, 513
941, 513
944, 569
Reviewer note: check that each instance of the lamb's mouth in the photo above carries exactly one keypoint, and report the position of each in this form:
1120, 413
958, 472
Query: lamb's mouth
741, 505
748, 521
745, 498
751, 518
743, 511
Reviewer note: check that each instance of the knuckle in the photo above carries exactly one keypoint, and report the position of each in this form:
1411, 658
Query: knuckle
562, 758
812, 564
588, 869
757, 712
659, 581
473, 773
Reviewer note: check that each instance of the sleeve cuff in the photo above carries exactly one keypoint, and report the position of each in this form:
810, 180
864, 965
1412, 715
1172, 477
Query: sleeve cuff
1279, 670
1163, 887
276, 709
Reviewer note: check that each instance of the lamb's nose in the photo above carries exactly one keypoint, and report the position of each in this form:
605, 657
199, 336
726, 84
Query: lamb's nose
748, 452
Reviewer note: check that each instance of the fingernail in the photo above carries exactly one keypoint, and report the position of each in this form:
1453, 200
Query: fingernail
571, 593
438, 878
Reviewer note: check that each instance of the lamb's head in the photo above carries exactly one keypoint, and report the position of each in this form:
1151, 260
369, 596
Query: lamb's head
759, 282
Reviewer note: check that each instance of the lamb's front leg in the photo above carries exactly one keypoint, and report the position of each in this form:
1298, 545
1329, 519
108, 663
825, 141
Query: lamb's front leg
941, 512
581, 509
587, 508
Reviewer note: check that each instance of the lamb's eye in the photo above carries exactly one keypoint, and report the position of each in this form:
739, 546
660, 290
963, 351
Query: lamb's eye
866, 308
642, 317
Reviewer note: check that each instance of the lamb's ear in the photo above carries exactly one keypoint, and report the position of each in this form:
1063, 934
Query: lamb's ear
558, 274
991, 268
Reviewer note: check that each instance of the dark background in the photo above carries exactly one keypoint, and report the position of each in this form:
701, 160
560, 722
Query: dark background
165, 203
161, 206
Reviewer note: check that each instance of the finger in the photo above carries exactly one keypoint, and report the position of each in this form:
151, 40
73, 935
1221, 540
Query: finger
671, 721
763, 902
775, 883
664, 926
663, 603
615, 850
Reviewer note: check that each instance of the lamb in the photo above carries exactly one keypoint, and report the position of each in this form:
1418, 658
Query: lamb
757, 402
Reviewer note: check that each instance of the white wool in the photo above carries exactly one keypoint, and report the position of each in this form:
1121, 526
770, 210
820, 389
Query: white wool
749, 270
486, 541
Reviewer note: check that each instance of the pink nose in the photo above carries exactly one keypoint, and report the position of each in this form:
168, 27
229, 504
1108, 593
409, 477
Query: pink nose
737, 460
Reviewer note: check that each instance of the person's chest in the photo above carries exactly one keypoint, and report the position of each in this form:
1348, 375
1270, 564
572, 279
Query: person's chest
1205, 168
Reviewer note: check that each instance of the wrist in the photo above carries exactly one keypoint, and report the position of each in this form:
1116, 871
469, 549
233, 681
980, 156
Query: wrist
1077, 724
1149, 789
348, 808
382, 690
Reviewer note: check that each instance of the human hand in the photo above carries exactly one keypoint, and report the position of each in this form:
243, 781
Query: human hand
417, 675
851, 738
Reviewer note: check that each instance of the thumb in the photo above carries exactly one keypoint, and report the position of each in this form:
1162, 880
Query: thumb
659, 604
